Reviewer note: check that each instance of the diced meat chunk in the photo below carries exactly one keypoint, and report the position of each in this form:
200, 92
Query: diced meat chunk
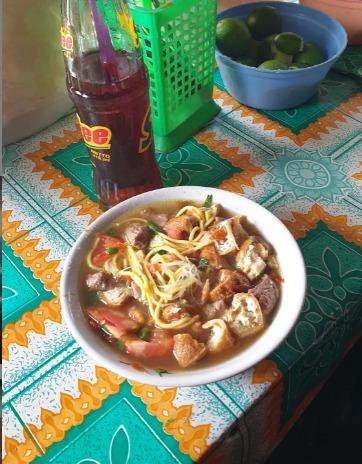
210, 253
228, 283
115, 321
220, 338
213, 310
196, 331
180, 227
115, 296
228, 234
244, 316
267, 293
187, 350
137, 235
99, 281
251, 258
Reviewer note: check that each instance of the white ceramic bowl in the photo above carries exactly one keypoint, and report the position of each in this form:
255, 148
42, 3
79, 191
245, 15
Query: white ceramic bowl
291, 301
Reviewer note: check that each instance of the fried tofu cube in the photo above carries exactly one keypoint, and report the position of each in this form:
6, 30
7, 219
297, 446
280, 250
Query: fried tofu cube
180, 227
244, 317
228, 234
210, 253
220, 338
228, 283
251, 258
187, 350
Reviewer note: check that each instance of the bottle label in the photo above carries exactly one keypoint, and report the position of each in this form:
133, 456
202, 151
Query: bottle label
126, 22
98, 137
66, 41
146, 138
119, 150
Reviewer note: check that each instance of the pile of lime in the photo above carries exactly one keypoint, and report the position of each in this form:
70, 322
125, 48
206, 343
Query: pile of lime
259, 42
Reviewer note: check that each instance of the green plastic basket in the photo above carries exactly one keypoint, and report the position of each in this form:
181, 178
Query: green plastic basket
178, 46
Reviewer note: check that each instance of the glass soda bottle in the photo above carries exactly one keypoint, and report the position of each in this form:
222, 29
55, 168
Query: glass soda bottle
108, 84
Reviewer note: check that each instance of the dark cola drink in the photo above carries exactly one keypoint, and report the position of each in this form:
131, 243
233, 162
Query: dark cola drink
114, 113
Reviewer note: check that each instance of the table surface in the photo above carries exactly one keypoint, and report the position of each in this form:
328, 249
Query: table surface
304, 165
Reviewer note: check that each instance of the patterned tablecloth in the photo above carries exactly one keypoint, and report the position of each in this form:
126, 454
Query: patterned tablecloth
304, 165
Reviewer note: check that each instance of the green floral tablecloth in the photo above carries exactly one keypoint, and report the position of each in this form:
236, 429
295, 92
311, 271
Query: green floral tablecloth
59, 407
350, 61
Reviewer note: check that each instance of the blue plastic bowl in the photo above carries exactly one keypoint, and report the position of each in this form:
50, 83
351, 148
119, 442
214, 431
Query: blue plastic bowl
279, 90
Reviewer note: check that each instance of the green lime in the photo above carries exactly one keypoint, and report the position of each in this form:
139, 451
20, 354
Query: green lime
265, 48
263, 21
310, 55
272, 65
298, 66
288, 43
232, 37
247, 61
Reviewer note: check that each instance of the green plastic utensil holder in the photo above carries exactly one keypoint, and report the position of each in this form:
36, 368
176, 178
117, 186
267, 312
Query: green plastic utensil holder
178, 47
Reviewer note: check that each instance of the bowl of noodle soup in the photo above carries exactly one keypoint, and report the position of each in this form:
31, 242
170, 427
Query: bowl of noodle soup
183, 286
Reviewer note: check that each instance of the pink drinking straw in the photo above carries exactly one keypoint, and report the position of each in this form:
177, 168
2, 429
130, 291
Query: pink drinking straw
108, 58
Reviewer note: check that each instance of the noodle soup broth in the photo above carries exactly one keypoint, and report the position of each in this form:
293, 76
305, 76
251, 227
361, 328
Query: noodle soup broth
179, 285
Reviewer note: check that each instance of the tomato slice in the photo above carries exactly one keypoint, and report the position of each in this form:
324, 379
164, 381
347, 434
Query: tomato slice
160, 345
122, 324
100, 254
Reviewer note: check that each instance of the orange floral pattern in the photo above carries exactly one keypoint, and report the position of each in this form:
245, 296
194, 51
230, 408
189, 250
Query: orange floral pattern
232, 155
58, 142
73, 410
352, 105
227, 99
30, 321
358, 175
11, 228
176, 420
20, 453
305, 222
36, 259
313, 131
59, 181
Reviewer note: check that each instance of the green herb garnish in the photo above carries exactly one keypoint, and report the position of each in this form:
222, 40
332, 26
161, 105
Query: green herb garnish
144, 334
92, 297
120, 345
203, 264
112, 250
112, 232
162, 252
153, 227
208, 202
161, 371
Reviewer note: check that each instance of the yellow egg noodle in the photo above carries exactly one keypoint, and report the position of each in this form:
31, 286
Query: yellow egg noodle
173, 273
